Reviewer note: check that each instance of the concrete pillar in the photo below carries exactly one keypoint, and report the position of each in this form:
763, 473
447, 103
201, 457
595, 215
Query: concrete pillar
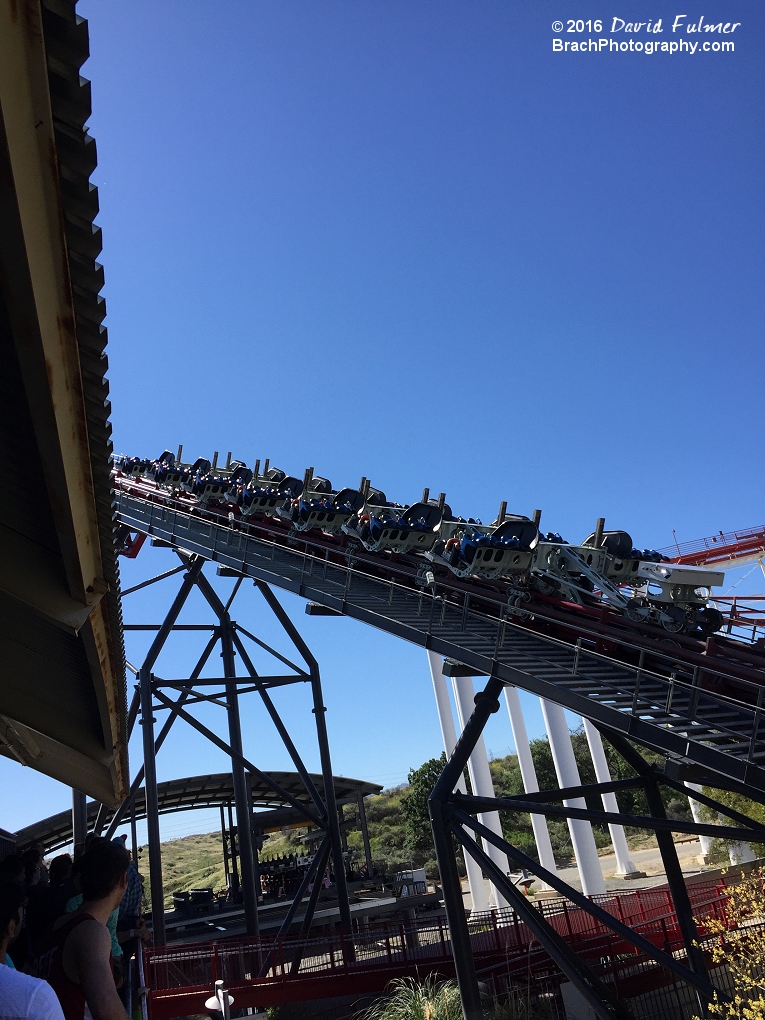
480, 779
738, 853
741, 853
583, 841
529, 777
449, 734
625, 868
705, 841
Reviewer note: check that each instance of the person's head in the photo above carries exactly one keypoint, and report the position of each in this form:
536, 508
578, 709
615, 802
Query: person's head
12, 868
102, 871
31, 859
60, 869
122, 841
12, 899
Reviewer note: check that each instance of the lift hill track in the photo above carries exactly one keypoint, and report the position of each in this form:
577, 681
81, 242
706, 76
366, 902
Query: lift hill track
699, 703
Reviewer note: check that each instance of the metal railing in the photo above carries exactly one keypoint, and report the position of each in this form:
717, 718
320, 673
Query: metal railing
659, 683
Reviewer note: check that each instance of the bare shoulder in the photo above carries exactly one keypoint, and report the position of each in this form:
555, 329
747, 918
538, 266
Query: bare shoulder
90, 934
88, 944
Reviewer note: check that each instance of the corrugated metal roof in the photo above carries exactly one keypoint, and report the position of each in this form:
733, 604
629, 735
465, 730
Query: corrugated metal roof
62, 660
67, 48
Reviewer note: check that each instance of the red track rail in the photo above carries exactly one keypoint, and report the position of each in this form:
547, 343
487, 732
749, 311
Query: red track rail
268, 972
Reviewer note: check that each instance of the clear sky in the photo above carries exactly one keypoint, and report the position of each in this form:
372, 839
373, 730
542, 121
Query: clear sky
408, 240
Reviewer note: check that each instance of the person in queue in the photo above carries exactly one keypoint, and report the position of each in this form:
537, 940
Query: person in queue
20, 994
79, 964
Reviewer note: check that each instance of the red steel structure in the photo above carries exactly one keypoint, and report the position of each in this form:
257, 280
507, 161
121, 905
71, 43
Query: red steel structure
271, 971
731, 548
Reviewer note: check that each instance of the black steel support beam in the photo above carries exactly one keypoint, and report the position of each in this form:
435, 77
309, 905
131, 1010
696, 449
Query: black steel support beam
271, 651
281, 729
710, 802
365, 832
152, 580
330, 800
152, 811
194, 567
79, 821
653, 822
313, 899
232, 841
308, 878
672, 868
241, 790
135, 705
586, 904
129, 801
599, 996
304, 809
486, 702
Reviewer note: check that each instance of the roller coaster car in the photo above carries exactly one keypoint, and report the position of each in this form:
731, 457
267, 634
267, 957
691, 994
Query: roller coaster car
472, 549
623, 558
675, 596
223, 485
327, 511
134, 467
174, 475
399, 529
268, 493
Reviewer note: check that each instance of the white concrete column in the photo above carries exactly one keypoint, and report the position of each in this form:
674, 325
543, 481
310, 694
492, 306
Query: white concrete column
583, 841
624, 863
738, 853
741, 853
705, 841
529, 777
476, 884
480, 779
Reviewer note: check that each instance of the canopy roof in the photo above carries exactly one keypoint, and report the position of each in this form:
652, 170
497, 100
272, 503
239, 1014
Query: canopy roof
203, 792
62, 670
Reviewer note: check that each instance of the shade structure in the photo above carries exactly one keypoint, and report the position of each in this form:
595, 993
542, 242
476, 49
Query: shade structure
62, 669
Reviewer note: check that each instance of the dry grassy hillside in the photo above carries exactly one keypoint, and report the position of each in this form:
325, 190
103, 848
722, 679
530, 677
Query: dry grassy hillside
196, 862
192, 862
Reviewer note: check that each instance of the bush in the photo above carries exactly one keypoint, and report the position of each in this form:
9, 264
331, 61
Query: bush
741, 947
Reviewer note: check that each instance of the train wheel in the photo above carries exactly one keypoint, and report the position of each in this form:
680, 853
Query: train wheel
638, 610
709, 621
673, 618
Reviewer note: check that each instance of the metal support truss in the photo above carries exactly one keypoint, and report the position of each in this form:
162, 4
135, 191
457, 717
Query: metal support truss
178, 695
453, 817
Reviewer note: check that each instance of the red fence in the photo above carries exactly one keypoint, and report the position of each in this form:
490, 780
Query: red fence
270, 971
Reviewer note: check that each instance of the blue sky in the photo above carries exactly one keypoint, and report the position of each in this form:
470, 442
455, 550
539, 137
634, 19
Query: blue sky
406, 240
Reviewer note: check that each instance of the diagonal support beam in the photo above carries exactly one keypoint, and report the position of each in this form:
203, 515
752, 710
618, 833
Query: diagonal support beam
281, 729
672, 868
588, 905
320, 712
271, 651
127, 803
486, 703
227, 749
194, 566
321, 854
598, 995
